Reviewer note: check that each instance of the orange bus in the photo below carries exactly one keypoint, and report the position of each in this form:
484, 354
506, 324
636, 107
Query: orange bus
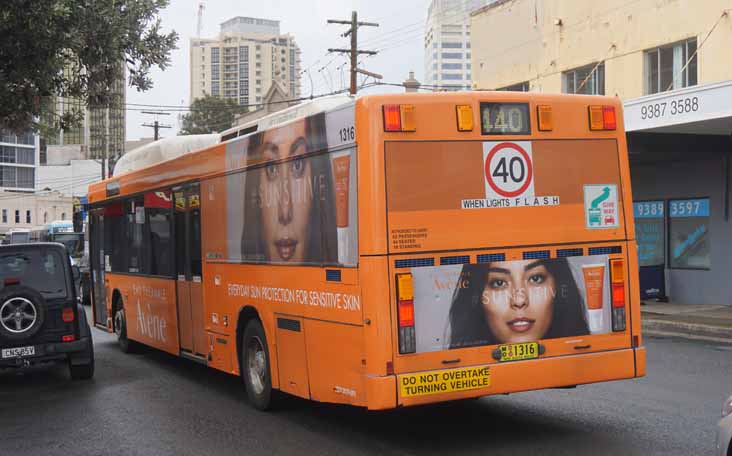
383, 251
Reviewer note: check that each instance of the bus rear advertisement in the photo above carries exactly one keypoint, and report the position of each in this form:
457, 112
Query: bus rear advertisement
384, 251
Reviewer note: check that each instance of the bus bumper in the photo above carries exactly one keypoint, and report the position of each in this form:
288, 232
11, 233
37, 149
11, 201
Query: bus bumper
518, 376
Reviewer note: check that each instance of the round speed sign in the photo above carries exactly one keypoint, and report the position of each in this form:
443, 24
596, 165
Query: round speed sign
508, 169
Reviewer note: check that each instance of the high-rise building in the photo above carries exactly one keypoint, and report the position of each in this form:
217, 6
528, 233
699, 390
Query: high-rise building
243, 61
447, 43
100, 135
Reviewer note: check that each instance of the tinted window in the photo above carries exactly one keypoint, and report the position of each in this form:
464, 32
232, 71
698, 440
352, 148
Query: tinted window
42, 270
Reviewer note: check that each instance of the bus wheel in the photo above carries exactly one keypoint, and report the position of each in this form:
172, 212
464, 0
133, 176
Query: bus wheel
255, 366
120, 329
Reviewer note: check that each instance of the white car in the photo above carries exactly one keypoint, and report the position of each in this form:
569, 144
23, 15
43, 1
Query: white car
724, 431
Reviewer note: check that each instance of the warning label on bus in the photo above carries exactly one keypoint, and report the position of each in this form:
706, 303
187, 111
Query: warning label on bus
445, 381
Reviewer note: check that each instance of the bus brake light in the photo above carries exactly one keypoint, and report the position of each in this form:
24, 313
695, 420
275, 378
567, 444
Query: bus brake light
617, 291
399, 118
405, 313
602, 118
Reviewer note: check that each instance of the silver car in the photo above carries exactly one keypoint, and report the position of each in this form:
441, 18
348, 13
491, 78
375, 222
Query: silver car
724, 431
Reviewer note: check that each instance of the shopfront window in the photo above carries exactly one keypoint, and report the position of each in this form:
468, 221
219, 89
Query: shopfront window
649, 232
689, 244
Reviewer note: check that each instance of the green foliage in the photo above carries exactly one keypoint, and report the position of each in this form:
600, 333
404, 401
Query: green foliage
210, 115
74, 49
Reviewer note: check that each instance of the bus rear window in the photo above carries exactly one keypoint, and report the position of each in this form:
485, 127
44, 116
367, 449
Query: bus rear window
502, 193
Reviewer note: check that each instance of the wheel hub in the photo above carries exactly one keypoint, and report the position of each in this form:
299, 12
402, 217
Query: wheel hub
18, 315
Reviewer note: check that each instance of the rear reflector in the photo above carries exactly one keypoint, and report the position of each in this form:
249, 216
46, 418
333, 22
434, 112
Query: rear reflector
68, 338
617, 289
67, 315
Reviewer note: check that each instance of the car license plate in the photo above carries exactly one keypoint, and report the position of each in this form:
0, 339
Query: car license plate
18, 352
514, 352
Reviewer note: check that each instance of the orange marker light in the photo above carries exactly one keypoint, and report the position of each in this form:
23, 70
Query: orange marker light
597, 121
392, 118
408, 117
464, 117
546, 119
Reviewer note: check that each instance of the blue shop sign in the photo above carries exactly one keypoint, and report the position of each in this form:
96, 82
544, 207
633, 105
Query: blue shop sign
698, 207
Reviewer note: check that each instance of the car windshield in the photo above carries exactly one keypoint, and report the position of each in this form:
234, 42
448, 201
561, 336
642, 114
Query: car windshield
42, 270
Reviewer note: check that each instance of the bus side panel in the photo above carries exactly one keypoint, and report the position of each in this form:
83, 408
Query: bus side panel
150, 309
335, 362
634, 291
374, 272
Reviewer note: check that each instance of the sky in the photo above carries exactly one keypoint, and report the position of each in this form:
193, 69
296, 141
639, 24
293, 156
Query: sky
398, 39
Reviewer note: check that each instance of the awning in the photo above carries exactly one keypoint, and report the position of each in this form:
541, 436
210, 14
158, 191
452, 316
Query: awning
701, 110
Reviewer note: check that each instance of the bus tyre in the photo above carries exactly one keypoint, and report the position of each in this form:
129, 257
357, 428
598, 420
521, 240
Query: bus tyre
120, 328
255, 366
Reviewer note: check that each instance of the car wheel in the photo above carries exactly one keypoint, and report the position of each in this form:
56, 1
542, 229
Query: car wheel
22, 312
83, 371
255, 366
120, 329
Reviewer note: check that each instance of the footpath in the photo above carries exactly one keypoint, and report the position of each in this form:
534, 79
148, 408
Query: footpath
710, 323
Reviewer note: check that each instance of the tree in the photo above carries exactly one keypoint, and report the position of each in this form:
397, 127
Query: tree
210, 115
74, 49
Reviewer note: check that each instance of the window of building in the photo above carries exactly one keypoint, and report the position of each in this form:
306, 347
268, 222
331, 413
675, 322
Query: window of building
670, 67
27, 216
45, 217
449, 45
452, 66
688, 234
5, 216
63, 216
451, 76
17, 216
587, 80
520, 87
452, 55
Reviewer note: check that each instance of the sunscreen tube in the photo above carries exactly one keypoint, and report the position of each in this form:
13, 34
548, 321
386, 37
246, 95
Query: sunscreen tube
594, 275
341, 163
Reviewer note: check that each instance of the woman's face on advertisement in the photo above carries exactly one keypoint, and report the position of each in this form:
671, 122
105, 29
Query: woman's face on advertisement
518, 300
286, 194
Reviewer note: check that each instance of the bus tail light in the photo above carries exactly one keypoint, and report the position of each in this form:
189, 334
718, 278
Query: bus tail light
617, 289
67, 315
400, 118
603, 118
464, 117
405, 313
546, 120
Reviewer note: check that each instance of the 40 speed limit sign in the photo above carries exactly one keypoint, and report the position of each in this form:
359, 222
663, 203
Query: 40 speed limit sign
508, 169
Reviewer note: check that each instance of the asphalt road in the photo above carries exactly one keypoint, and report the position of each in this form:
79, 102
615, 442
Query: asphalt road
156, 404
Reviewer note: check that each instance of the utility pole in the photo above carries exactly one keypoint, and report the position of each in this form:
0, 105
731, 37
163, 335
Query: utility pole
354, 51
156, 125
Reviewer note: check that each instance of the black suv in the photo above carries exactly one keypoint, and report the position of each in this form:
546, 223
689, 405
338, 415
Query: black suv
40, 318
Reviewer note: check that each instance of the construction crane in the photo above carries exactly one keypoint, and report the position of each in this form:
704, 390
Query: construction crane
199, 26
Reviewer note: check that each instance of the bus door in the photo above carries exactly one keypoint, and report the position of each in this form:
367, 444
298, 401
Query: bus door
188, 269
96, 258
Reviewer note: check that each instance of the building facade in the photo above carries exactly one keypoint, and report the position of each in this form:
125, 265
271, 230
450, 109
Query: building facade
668, 61
19, 156
447, 49
244, 60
